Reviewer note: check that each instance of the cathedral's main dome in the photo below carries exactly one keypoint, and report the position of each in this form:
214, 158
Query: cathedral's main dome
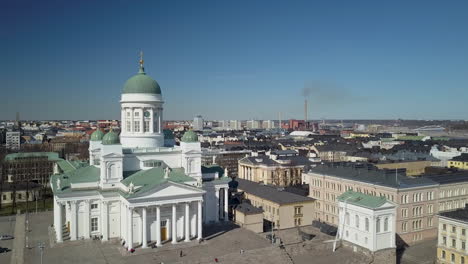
141, 83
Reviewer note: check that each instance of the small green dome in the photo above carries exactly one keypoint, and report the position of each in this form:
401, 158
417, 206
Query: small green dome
190, 136
141, 83
111, 138
97, 135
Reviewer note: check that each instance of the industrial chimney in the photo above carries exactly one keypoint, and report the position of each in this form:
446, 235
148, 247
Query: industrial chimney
305, 113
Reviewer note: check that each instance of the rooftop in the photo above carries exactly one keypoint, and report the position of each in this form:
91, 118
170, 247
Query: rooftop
361, 199
369, 174
248, 209
271, 193
459, 214
449, 178
51, 156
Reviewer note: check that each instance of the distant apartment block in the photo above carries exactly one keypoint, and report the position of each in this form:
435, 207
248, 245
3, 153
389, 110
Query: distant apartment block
452, 237
198, 123
13, 140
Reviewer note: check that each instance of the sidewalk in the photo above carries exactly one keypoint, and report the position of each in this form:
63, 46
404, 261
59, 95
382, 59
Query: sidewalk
18, 246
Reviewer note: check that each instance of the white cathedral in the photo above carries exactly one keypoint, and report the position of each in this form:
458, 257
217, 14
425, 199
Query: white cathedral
139, 187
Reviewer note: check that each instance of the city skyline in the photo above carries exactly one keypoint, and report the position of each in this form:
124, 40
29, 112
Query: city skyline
237, 60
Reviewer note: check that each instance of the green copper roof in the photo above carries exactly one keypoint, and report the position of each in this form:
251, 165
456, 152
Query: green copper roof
111, 138
190, 136
364, 200
77, 175
141, 83
51, 156
148, 179
97, 135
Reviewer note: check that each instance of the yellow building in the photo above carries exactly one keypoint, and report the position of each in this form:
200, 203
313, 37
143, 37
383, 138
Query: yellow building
413, 168
452, 237
281, 209
460, 162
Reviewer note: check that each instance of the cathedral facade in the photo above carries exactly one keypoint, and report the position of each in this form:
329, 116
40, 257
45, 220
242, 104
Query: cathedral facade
138, 186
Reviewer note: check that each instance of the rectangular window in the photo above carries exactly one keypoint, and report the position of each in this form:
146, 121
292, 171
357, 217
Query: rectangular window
463, 245
444, 227
444, 241
128, 126
454, 229
94, 206
454, 243
136, 126
94, 224
298, 210
146, 127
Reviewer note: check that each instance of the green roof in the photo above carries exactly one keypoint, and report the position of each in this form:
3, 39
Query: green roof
190, 136
97, 135
78, 175
111, 138
148, 179
51, 156
361, 199
411, 138
141, 83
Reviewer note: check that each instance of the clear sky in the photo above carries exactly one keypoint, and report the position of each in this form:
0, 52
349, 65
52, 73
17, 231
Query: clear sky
237, 59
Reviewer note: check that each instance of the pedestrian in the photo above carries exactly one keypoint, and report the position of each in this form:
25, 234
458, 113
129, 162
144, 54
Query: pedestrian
181, 254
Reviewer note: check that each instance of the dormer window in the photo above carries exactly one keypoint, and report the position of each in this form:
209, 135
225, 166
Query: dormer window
152, 163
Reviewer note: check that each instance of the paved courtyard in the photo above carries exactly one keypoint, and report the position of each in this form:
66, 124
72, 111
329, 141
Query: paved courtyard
7, 227
227, 243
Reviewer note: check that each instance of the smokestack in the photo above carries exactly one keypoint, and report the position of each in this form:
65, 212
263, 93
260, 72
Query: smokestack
305, 112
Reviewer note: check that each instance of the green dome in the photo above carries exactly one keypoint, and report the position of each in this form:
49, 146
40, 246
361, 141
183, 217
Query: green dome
111, 138
97, 135
141, 83
190, 136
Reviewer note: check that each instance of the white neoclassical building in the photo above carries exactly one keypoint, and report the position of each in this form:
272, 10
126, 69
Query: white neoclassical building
367, 221
138, 186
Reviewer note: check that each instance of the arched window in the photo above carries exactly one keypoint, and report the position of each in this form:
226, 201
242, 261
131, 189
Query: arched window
347, 218
386, 224
367, 224
377, 225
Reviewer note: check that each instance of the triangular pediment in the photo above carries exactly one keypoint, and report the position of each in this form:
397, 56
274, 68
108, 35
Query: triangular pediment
169, 189
113, 155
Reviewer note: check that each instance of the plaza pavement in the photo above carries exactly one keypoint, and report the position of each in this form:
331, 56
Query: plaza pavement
225, 242
7, 227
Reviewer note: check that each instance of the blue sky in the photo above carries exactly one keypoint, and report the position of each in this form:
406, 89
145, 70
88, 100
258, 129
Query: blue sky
237, 59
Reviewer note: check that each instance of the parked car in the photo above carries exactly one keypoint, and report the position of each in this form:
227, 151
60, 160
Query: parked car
6, 237
2, 249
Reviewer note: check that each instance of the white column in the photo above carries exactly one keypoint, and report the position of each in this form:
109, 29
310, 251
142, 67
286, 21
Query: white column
87, 219
144, 244
105, 221
217, 205
130, 228
58, 221
122, 118
187, 222
199, 215
142, 119
132, 123
226, 200
158, 226
151, 120
160, 121
73, 222
174, 224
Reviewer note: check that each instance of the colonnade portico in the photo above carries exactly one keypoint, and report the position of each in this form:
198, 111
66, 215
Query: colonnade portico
173, 208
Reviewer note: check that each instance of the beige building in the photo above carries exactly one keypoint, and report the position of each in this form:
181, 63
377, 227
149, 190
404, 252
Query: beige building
280, 168
19, 192
452, 238
415, 198
281, 209
249, 217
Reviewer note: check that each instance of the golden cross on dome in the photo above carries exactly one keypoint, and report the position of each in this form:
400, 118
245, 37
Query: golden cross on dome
141, 59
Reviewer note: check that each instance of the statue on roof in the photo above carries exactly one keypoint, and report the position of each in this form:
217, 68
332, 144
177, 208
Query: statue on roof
167, 170
226, 172
131, 187
59, 185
